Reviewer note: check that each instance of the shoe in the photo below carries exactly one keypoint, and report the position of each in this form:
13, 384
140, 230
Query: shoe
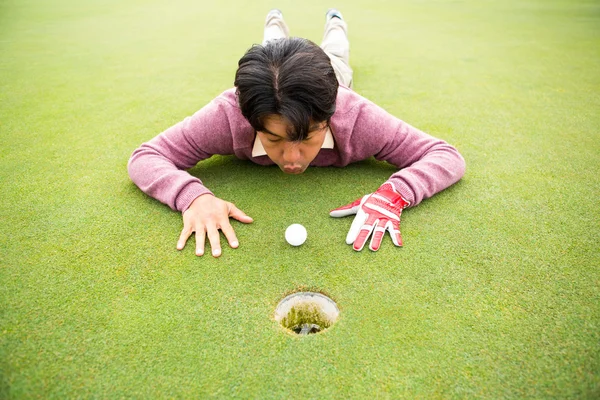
333, 13
274, 12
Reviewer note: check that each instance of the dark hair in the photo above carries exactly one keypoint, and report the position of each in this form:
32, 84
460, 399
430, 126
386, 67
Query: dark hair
290, 77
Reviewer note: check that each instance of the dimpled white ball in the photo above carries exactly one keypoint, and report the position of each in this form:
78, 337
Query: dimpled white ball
295, 234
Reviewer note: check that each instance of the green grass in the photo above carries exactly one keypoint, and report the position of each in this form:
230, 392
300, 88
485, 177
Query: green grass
496, 293
306, 314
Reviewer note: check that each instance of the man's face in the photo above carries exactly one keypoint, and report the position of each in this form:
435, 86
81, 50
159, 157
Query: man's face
291, 157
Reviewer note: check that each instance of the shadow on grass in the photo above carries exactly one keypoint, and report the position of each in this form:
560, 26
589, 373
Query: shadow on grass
241, 180
220, 172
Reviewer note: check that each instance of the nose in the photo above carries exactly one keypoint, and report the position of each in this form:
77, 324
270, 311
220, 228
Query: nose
291, 153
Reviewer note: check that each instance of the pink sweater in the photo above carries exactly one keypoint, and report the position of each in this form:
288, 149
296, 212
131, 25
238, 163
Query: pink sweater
360, 129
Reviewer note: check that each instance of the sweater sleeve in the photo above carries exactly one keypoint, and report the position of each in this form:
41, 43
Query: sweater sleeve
427, 165
158, 166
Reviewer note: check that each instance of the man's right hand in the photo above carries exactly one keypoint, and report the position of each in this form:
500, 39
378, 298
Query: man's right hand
205, 216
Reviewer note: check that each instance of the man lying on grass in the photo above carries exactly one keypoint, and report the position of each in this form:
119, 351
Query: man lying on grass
292, 106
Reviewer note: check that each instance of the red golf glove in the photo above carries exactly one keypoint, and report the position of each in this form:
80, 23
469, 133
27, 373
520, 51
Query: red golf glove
375, 213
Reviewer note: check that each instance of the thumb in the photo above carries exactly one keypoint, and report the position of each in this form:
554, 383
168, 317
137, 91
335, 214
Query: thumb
348, 209
238, 214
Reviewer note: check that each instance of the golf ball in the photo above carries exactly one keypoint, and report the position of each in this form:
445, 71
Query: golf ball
295, 234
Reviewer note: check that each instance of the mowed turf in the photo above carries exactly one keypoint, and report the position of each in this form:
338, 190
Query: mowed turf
494, 295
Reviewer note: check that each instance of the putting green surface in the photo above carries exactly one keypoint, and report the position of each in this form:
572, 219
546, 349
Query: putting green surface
496, 293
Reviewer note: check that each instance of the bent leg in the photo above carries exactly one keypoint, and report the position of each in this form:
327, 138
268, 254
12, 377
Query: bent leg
275, 27
336, 45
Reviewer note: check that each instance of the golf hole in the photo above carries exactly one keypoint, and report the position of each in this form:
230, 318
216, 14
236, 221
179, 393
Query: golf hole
306, 313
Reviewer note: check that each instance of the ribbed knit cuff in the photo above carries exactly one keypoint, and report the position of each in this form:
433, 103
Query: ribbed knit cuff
188, 194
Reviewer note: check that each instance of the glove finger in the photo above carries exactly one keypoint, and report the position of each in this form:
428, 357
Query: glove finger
394, 228
378, 232
348, 209
365, 232
357, 223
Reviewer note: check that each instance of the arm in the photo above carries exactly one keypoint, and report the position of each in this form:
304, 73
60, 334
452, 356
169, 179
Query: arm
158, 166
426, 165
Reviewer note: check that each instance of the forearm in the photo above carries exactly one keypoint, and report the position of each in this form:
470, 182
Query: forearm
440, 167
159, 178
159, 166
427, 165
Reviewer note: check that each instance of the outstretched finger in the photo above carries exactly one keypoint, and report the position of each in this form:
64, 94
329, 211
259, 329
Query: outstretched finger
378, 232
238, 214
394, 228
183, 237
348, 209
355, 227
200, 239
229, 234
215, 240
365, 232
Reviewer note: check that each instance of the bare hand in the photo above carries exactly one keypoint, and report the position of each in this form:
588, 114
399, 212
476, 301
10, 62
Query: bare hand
205, 216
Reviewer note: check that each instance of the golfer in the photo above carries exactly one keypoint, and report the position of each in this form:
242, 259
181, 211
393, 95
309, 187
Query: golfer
293, 105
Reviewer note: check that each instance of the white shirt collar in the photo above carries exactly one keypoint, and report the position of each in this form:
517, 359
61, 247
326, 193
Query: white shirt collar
259, 150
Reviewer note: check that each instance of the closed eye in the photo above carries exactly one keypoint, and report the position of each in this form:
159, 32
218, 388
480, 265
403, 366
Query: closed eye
271, 137
311, 137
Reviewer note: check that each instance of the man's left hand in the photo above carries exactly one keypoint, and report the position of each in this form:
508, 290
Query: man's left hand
375, 213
